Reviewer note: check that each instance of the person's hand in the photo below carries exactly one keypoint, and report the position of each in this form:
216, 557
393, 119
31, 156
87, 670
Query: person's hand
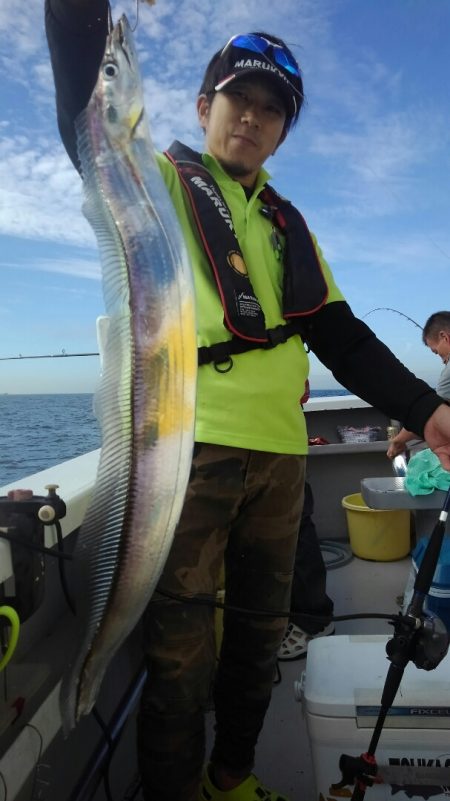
437, 434
395, 448
397, 444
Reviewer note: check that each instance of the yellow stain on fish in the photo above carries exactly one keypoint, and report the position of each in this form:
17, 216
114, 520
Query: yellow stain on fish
171, 344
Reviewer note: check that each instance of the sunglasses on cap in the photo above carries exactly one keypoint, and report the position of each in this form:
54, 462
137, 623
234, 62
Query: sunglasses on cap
261, 45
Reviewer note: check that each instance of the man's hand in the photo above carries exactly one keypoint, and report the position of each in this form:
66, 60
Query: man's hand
437, 434
397, 444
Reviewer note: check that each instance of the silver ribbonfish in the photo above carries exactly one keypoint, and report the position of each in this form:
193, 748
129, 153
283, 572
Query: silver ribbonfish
146, 397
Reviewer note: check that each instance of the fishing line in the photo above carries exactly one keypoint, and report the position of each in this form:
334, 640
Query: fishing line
131, 793
33, 546
137, 18
209, 601
133, 27
62, 568
35, 780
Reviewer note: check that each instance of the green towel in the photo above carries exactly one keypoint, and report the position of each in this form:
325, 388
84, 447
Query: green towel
426, 474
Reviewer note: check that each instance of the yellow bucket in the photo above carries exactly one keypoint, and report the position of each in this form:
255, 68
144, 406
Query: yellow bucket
377, 534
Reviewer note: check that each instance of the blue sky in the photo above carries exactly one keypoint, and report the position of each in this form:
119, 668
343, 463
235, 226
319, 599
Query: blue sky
368, 165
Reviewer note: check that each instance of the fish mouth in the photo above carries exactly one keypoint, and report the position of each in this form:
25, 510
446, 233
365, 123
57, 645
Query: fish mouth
120, 38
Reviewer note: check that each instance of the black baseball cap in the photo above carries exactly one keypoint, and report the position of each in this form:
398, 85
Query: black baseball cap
257, 54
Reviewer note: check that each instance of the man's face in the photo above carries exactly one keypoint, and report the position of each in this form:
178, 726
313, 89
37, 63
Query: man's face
244, 124
440, 345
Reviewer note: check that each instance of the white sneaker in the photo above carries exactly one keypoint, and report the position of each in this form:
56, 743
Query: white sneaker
295, 641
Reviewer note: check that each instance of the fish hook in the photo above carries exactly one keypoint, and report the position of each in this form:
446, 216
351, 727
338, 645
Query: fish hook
133, 28
149, 2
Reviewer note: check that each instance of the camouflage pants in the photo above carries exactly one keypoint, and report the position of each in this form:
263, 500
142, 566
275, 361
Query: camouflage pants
243, 508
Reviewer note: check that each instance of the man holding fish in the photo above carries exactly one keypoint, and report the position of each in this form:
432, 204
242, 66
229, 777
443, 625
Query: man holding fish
264, 292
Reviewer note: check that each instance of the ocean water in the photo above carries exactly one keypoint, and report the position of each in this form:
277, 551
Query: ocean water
39, 431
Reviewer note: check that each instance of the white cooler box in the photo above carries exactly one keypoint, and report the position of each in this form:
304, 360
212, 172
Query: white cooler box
341, 692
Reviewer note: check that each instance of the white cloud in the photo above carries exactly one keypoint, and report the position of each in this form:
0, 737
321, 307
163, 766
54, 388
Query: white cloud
69, 265
172, 114
385, 148
40, 192
43, 93
404, 254
383, 151
22, 32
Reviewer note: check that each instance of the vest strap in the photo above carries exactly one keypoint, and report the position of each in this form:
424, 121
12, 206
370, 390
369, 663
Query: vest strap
221, 352
243, 315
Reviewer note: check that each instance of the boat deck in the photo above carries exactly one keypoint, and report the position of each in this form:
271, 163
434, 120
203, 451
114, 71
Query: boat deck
283, 758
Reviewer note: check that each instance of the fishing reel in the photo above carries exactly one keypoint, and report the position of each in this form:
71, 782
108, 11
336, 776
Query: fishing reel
23, 517
421, 638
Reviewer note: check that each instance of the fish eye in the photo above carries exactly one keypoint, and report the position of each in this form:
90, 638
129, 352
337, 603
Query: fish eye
110, 70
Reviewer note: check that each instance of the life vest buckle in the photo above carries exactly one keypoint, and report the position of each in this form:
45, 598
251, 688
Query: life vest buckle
218, 354
277, 335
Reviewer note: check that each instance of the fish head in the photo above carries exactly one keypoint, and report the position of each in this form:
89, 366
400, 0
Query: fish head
118, 93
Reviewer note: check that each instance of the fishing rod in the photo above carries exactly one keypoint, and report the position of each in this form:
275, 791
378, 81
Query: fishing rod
62, 355
387, 308
419, 637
